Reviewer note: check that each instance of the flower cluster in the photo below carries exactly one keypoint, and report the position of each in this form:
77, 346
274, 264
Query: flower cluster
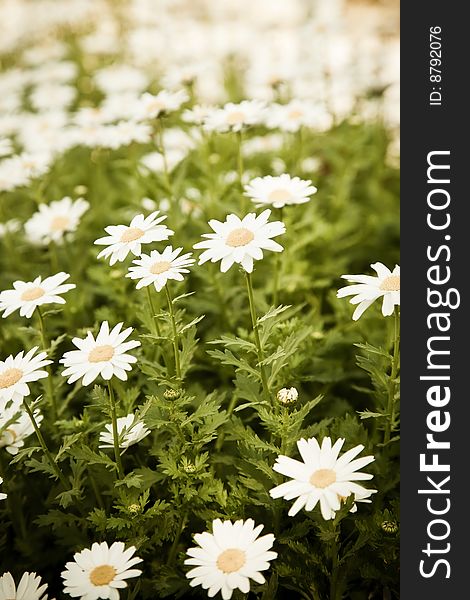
180, 410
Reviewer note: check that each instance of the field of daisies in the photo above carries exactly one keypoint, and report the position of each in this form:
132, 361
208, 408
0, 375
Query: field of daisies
199, 300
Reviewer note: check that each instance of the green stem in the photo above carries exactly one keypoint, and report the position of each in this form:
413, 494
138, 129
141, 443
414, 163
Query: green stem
52, 462
49, 382
175, 332
277, 271
393, 377
117, 453
240, 169
335, 587
254, 322
174, 546
285, 426
153, 314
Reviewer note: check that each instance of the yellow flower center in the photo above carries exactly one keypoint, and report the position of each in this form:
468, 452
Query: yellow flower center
156, 105
239, 237
322, 478
10, 377
160, 267
295, 114
32, 294
391, 284
60, 223
131, 234
279, 196
102, 575
235, 117
231, 560
101, 354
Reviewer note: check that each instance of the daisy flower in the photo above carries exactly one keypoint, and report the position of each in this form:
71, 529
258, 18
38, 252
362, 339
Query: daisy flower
279, 191
229, 557
130, 432
322, 477
51, 96
52, 221
150, 107
155, 162
17, 372
29, 587
100, 572
235, 117
11, 226
105, 356
368, 288
159, 267
6, 147
126, 132
29, 164
120, 78
2, 497
123, 239
197, 114
296, 114
15, 427
27, 296
240, 241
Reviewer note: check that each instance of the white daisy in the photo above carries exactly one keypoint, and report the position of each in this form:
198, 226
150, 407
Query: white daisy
93, 116
15, 427
150, 107
272, 142
197, 114
52, 221
120, 78
6, 147
16, 372
130, 432
322, 476
29, 587
123, 239
30, 165
50, 96
2, 495
279, 191
100, 572
296, 114
27, 296
105, 356
127, 132
155, 161
235, 117
229, 557
10, 226
240, 240
368, 288
159, 267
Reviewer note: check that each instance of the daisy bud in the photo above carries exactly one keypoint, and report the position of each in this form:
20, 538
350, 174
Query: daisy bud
171, 394
287, 396
389, 527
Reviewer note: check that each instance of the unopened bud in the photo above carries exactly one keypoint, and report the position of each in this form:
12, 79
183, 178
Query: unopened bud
287, 395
